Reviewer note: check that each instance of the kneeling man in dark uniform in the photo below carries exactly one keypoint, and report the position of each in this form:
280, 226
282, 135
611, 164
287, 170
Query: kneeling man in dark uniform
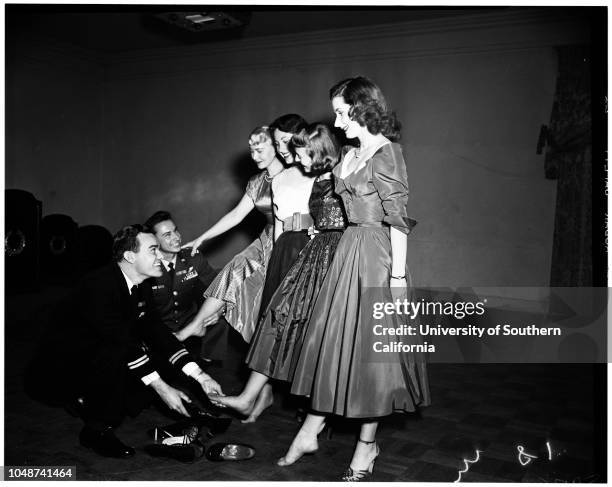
113, 341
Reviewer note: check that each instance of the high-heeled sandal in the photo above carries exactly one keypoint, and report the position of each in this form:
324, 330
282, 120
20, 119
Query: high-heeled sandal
351, 475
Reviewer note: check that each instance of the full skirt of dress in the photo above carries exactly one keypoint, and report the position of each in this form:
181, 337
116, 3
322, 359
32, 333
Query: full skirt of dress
240, 284
284, 254
338, 367
277, 342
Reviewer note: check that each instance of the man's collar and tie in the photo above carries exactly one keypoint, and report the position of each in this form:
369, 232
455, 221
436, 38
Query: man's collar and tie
130, 284
132, 289
170, 266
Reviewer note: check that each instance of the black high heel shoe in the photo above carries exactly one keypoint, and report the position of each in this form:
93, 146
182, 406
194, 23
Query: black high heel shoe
351, 475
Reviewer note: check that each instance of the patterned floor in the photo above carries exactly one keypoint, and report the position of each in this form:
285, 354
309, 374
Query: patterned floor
496, 423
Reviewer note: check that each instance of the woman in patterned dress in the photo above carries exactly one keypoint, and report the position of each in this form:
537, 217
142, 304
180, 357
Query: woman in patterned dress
278, 337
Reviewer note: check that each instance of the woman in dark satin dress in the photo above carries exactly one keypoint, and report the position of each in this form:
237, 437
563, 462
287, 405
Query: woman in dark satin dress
291, 190
339, 367
278, 338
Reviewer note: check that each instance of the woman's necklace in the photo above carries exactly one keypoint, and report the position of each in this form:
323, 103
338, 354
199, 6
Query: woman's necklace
364, 150
359, 152
271, 177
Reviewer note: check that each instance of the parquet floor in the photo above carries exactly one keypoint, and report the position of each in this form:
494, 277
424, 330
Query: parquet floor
553, 413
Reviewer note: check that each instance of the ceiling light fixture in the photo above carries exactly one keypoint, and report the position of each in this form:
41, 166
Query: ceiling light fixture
199, 21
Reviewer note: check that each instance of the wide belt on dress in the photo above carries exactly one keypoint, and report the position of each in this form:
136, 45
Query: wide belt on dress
297, 222
367, 224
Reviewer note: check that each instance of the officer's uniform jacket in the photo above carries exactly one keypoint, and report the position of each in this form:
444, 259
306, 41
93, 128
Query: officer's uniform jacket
105, 332
177, 299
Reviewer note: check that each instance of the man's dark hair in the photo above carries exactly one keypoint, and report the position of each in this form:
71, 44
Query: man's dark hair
155, 218
126, 240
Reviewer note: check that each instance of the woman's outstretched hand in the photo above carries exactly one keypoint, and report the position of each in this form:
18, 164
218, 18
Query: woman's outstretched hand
194, 245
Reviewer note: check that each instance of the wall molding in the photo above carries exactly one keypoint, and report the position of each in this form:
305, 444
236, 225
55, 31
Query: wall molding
499, 32
506, 30
177, 72
414, 28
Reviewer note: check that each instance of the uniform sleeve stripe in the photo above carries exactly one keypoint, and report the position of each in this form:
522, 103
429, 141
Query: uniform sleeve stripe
140, 363
140, 359
177, 355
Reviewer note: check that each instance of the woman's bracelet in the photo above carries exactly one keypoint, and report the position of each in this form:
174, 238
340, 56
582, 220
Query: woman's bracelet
399, 277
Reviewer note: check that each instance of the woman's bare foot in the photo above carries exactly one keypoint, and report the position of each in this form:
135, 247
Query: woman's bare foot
265, 399
194, 328
304, 443
241, 404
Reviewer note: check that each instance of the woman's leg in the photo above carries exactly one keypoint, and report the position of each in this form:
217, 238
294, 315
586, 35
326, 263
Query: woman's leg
245, 402
305, 441
264, 400
209, 313
365, 453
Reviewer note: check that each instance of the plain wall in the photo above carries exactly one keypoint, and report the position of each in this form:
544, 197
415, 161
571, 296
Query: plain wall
54, 118
168, 129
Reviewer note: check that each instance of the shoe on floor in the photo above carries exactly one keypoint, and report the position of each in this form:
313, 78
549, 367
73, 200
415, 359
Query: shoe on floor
105, 443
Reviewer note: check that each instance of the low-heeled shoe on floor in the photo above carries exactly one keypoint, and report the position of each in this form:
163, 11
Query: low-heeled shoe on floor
213, 425
220, 452
186, 453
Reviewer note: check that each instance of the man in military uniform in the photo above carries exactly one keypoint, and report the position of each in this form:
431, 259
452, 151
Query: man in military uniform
179, 292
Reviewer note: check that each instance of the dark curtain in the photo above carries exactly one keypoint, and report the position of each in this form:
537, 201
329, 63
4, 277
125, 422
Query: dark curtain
568, 160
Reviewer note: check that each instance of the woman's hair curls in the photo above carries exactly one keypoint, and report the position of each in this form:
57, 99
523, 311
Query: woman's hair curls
321, 145
368, 106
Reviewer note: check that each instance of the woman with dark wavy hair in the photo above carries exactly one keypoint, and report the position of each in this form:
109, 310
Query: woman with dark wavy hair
339, 366
278, 338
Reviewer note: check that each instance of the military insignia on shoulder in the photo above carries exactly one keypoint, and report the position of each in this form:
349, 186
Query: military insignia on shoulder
159, 286
186, 253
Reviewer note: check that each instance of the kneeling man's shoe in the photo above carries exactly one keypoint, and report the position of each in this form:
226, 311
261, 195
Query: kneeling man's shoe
105, 443
75, 406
